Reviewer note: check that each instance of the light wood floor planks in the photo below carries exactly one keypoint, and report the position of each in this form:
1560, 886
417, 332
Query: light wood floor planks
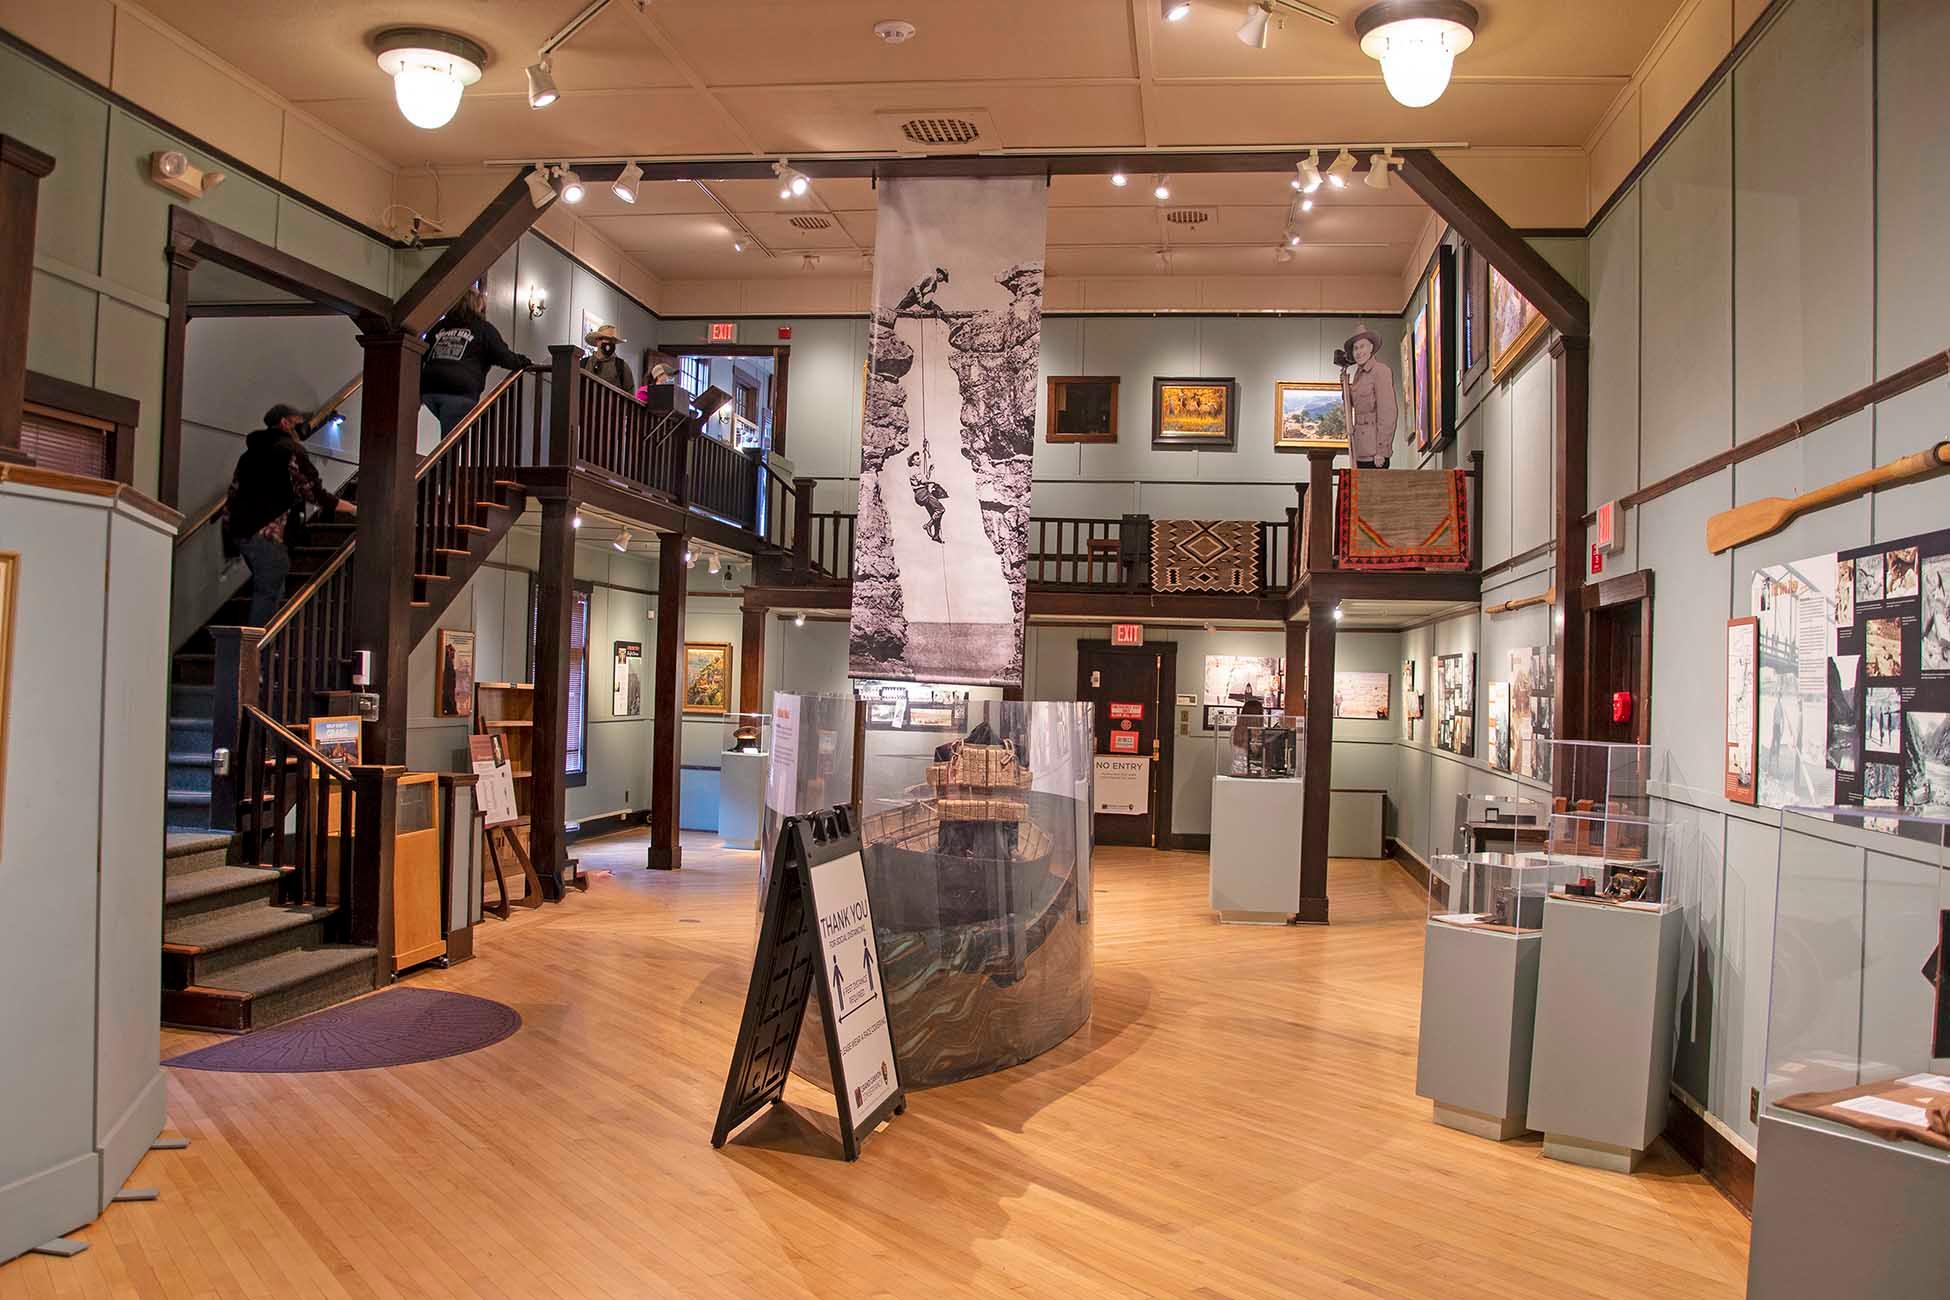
1238, 1121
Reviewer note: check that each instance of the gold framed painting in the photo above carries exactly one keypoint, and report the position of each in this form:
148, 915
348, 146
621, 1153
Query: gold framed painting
1309, 416
707, 677
9, 584
1515, 325
1200, 414
1082, 408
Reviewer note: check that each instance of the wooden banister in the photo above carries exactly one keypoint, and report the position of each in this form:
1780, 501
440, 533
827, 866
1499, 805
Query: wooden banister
211, 512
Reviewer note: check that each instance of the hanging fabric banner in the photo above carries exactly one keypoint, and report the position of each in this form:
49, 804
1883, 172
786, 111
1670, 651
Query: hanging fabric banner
949, 429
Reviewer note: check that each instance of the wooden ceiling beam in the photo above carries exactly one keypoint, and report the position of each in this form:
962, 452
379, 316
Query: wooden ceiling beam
505, 219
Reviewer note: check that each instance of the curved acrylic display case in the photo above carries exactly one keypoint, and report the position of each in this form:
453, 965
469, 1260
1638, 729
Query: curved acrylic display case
977, 855
1858, 1025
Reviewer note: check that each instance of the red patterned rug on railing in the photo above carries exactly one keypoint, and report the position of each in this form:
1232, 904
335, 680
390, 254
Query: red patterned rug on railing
1402, 519
1204, 555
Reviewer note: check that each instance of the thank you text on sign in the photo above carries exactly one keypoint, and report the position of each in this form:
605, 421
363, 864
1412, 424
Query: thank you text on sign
849, 965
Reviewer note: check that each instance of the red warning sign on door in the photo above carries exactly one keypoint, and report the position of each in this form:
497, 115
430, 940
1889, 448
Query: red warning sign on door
1119, 709
1123, 742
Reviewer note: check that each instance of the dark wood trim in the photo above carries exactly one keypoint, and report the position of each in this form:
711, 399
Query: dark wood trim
751, 659
21, 168
1930, 368
1542, 548
460, 944
1406, 858
1523, 266
176, 340
1322, 632
1721, 72
617, 497
210, 242
213, 310
1295, 702
493, 232
748, 168
1723, 1164
382, 560
1570, 452
594, 828
35, 476
1358, 584
667, 708
554, 592
1627, 587
1166, 654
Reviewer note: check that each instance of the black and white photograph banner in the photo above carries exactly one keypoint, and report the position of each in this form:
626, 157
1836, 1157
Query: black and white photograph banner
949, 429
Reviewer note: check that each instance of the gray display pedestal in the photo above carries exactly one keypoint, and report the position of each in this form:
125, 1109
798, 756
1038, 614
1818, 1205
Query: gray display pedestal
1840, 1213
1479, 1003
741, 798
1601, 1065
1255, 860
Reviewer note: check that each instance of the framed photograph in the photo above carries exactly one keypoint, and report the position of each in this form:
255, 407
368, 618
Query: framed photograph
338, 738
627, 685
1082, 408
9, 584
454, 675
1515, 326
707, 677
1309, 416
1361, 695
1230, 678
1200, 414
1410, 395
1472, 351
1499, 729
1743, 708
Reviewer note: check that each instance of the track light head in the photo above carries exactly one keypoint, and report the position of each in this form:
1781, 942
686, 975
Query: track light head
712, 564
540, 192
1119, 179
1306, 205
1340, 169
541, 85
1253, 31
793, 183
622, 540
798, 620
625, 185
1309, 172
576, 522
1283, 254
1174, 11
690, 558
572, 189
1162, 190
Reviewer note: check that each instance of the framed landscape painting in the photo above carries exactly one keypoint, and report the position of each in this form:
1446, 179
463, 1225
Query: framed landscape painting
1515, 325
707, 677
1441, 349
1309, 416
1200, 414
1082, 408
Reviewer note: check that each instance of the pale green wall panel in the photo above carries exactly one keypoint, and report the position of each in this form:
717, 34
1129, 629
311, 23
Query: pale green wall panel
129, 361
67, 122
61, 329
1569, 257
337, 248
135, 211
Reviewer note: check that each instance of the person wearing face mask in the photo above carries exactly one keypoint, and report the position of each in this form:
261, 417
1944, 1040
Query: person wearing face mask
603, 362
460, 348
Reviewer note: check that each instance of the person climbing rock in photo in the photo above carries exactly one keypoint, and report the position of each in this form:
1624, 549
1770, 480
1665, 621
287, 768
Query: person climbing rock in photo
919, 301
928, 495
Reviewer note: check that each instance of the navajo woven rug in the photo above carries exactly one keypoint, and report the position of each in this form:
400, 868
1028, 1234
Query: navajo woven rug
1401, 519
1204, 555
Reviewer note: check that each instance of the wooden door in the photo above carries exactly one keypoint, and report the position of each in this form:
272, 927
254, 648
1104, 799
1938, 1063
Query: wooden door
1618, 658
1130, 687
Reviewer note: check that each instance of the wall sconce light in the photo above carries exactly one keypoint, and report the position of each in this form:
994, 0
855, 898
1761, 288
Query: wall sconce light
174, 172
537, 301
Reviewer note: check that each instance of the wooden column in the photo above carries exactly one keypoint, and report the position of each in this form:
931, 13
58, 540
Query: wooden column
555, 599
667, 721
1570, 440
751, 660
176, 338
1319, 503
1295, 700
21, 169
1319, 775
382, 564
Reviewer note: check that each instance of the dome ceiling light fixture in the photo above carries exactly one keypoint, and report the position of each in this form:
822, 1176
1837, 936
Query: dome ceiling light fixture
429, 69
1174, 11
1416, 42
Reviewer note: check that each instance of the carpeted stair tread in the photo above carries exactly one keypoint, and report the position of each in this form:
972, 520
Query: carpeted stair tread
286, 970
210, 931
181, 844
187, 797
192, 885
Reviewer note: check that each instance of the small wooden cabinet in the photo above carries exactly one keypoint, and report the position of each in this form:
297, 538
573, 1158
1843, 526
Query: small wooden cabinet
417, 898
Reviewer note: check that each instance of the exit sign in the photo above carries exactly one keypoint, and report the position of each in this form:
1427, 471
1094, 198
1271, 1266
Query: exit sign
724, 331
1127, 634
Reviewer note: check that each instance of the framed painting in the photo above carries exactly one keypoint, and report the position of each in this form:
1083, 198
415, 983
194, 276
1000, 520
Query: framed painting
1515, 325
1421, 432
1361, 695
1082, 408
1409, 395
1309, 416
707, 677
1472, 352
454, 675
1435, 306
1200, 414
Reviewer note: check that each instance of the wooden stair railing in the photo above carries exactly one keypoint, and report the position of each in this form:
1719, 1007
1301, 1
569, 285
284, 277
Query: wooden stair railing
212, 512
283, 776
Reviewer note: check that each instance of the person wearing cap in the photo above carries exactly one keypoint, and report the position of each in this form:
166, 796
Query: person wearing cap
461, 346
1368, 389
602, 361
264, 513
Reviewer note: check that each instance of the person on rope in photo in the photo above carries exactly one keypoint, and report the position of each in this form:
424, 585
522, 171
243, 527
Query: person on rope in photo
928, 494
919, 301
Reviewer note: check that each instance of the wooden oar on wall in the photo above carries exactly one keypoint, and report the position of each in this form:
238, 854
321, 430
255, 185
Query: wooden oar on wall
1758, 519
1522, 602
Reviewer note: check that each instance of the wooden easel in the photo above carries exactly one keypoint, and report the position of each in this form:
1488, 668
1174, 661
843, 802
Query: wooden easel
531, 895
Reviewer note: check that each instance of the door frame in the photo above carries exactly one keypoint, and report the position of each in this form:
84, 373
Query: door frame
1166, 652
781, 357
1594, 599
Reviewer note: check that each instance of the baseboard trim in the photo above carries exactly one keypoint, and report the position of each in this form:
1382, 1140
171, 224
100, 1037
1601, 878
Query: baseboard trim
1189, 843
1729, 1169
49, 1204
130, 1137
607, 824
1407, 859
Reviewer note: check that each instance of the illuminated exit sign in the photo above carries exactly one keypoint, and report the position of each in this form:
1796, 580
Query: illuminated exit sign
1127, 634
724, 331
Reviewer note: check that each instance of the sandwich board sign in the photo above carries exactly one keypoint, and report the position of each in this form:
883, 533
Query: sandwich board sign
816, 932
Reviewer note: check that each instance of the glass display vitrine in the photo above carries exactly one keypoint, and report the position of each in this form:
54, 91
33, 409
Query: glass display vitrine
1484, 821
744, 733
1604, 822
1267, 746
1858, 1026
1494, 891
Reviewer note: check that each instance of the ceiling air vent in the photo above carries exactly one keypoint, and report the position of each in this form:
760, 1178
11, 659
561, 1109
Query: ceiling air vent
807, 222
940, 132
1187, 216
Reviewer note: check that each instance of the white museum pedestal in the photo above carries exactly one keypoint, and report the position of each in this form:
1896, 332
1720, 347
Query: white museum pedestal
1479, 1005
741, 798
1255, 861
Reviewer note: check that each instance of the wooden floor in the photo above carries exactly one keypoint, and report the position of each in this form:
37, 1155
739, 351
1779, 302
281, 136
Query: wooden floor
1238, 1120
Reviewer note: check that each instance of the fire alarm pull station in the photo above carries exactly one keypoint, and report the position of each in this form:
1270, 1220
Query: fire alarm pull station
1621, 706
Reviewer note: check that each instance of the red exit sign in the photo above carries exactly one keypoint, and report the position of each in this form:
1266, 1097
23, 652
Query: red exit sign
724, 331
1127, 634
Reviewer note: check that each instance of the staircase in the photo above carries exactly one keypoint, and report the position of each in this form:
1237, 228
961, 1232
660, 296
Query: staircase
249, 945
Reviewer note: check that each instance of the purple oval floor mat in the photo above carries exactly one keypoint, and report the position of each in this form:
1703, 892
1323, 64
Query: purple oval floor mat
397, 1027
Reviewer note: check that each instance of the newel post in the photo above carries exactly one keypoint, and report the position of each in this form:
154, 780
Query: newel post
565, 370
802, 511
366, 899
1319, 501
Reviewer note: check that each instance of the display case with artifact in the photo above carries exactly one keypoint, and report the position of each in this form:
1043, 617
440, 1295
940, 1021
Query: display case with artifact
743, 753
1486, 823
1610, 968
1853, 1170
1480, 960
1257, 795
1261, 746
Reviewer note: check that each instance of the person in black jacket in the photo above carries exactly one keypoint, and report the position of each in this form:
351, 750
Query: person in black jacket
274, 482
460, 348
